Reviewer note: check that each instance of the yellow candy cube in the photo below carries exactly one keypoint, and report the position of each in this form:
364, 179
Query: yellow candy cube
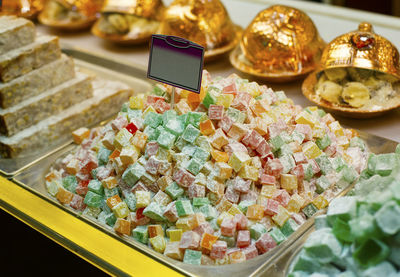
268, 191
234, 210
318, 131
136, 102
222, 216
249, 172
142, 198
224, 170
174, 234
121, 210
139, 140
182, 107
254, 89
185, 223
147, 110
158, 243
296, 202
343, 142
161, 198
305, 118
336, 128
289, 181
320, 202
122, 139
311, 150
197, 219
238, 160
183, 93
225, 99
260, 106
173, 251
281, 217
129, 155
312, 108
223, 205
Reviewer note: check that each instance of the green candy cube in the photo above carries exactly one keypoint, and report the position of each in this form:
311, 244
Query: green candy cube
153, 119
93, 199
287, 162
385, 163
277, 235
184, 119
103, 155
192, 257
211, 96
189, 150
299, 137
323, 142
52, 187
347, 175
236, 115
286, 137
363, 227
289, 227
323, 246
166, 139
131, 114
257, 230
191, 133
180, 143
201, 155
168, 115
130, 200
382, 269
309, 210
140, 234
158, 91
320, 222
110, 219
91, 212
344, 208
125, 107
110, 192
195, 118
324, 164
357, 142
174, 191
230, 241
388, 218
93, 173
175, 126
105, 207
371, 252
308, 172
209, 212
96, 186
284, 150
70, 183
321, 113
200, 201
338, 163
133, 173
276, 143
183, 208
154, 211
243, 205
341, 229
194, 166
322, 184
203, 143
306, 263
151, 133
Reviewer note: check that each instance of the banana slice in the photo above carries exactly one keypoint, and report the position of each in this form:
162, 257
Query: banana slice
356, 94
373, 84
386, 77
330, 91
119, 22
336, 74
359, 74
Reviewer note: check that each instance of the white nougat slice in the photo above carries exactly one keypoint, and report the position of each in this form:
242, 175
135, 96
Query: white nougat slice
106, 101
15, 32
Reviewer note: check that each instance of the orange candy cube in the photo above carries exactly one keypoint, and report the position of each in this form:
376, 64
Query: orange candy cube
207, 127
122, 226
114, 154
80, 134
109, 182
237, 257
113, 201
219, 156
193, 100
155, 230
64, 196
255, 212
207, 241
139, 139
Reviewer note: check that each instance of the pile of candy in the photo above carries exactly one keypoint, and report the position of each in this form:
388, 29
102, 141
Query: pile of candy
359, 235
227, 175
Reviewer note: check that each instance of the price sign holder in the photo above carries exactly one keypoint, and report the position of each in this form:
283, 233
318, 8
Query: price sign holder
177, 62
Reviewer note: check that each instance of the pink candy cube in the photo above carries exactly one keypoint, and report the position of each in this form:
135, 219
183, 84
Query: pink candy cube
152, 165
274, 167
88, 164
299, 158
189, 240
218, 250
241, 221
196, 191
204, 228
119, 123
271, 207
243, 238
232, 195
266, 179
140, 186
282, 196
228, 227
171, 213
161, 106
263, 148
225, 123
304, 129
253, 139
250, 196
183, 177
231, 88
241, 185
298, 170
215, 112
265, 243
151, 148
233, 147
250, 252
299, 218
77, 203
315, 166
241, 101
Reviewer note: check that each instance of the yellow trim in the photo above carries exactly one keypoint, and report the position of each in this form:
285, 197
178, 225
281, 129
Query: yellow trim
98, 248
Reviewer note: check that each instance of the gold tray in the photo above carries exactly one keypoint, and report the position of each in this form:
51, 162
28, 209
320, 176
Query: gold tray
132, 75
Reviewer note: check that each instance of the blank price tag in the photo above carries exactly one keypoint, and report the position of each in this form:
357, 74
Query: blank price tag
176, 61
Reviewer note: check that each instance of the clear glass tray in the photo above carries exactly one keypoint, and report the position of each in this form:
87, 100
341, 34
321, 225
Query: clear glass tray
32, 179
132, 75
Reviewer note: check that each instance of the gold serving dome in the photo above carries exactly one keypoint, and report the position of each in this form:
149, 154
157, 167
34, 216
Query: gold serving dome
143, 8
88, 8
205, 22
362, 49
26, 8
281, 43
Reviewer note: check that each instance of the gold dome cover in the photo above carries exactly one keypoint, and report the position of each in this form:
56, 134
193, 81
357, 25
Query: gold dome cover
205, 22
362, 49
280, 44
142, 8
26, 8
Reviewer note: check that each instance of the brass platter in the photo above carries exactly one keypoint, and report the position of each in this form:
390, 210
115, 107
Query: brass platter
359, 49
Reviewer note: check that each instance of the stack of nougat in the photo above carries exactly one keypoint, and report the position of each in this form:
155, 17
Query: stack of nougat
42, 96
